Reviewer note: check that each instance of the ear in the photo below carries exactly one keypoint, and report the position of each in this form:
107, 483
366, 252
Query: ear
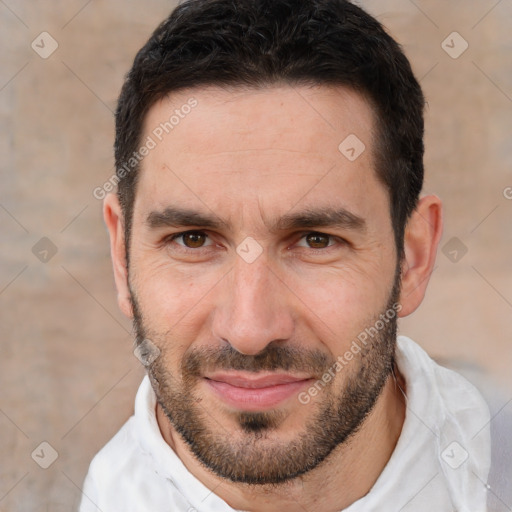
422, 235
113, 217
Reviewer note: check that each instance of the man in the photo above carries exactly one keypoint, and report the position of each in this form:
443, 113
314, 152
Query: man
266, 234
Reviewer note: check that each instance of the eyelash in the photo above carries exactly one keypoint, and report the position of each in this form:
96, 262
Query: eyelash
337, 239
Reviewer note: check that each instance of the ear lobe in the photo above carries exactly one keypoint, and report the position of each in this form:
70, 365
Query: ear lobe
422, 235
114, 221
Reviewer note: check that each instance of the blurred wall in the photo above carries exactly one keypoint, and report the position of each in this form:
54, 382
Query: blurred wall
68, 375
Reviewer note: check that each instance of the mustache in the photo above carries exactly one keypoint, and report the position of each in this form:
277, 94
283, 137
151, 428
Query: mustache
274, 357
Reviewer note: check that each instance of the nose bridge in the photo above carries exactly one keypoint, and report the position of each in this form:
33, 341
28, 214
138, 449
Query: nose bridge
251, 285
254, 311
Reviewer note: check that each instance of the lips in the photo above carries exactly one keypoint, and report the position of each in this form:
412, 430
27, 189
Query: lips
253, 392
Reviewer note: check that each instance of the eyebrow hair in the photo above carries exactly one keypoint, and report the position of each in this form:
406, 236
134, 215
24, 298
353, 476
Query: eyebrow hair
323, 217
178, 217
309, 218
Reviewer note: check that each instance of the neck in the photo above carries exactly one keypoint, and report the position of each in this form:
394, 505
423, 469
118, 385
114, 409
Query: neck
345, 476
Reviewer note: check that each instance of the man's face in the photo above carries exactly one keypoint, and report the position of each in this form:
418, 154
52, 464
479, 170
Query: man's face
288, 256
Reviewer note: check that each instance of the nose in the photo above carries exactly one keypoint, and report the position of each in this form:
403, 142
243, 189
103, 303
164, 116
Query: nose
254, 308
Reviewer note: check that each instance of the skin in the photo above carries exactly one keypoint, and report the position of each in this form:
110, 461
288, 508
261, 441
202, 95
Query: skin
248, 158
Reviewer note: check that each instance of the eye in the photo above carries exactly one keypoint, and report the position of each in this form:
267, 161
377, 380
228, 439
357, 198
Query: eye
191, 239
315, 240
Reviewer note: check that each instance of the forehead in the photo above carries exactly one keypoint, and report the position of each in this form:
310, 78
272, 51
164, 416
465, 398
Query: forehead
283, 118
266, 147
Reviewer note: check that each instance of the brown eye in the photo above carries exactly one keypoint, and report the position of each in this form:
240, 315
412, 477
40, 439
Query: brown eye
317, 240
194, 240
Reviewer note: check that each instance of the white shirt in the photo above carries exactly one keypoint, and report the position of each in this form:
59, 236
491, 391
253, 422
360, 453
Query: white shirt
440, 463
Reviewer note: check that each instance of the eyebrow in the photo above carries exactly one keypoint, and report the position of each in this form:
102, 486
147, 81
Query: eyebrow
323, 217
308, 218
179, 217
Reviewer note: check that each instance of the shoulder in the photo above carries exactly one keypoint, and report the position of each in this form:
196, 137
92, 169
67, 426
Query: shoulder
109, 470
500, 425
122, 476
117, 454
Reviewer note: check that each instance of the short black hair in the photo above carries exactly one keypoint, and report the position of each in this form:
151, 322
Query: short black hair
260, 43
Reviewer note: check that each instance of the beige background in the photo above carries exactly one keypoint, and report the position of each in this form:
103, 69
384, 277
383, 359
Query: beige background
68, 375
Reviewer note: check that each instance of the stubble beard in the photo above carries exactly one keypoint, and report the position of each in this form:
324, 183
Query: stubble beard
254, 454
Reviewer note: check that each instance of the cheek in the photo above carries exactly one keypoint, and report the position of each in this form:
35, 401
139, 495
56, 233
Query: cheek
339, 304
174, 301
